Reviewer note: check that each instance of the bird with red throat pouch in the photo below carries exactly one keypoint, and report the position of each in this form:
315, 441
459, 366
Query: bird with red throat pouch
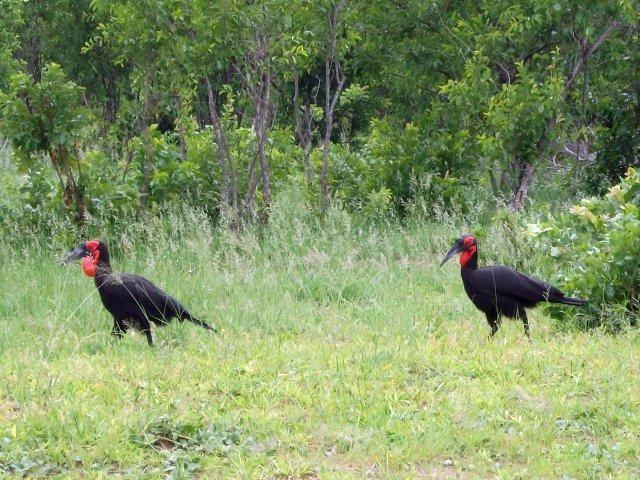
499, 291
132, 300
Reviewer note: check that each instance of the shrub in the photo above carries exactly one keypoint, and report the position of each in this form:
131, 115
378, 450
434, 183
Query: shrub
397, 171
46, 118
599, 243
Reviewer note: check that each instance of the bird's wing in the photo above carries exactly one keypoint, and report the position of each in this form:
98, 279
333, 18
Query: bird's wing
502, 281
150, 297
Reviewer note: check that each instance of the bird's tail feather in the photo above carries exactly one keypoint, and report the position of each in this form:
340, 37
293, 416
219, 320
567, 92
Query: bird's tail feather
199, 322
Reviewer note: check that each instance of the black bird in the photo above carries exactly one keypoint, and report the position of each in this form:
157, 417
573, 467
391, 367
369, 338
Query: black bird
132, 300
498, 290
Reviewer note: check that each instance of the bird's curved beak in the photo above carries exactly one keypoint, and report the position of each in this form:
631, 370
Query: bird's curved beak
76, 254
457, 248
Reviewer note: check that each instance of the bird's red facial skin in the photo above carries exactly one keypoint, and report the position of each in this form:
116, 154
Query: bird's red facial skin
92, 245
89, 263
469, 251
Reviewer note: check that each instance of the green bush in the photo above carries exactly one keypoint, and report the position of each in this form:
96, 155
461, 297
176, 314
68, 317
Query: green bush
397, 171
47, 123
598, 244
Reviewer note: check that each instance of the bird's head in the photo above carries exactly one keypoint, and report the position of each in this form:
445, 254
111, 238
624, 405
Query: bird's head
466, 245
91, 253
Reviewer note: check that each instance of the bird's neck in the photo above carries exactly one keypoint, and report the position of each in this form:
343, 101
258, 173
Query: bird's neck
466, 271
103, 270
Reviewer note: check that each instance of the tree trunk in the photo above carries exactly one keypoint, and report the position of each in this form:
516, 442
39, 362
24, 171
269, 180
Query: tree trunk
258, 84
145, 189
112, 101
183, 142
333, 72
251, 191
222, 149
495, 187
526, 177
220, 144
520, 195
32, 53
306, 144
181, 132
73, 198
262, 120
303, 127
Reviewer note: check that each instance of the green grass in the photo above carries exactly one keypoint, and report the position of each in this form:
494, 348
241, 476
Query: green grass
341, 353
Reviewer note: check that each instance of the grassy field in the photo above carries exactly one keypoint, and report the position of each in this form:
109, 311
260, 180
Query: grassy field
341, 354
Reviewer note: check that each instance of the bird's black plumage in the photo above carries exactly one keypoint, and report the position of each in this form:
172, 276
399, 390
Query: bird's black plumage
500, 291
133, 301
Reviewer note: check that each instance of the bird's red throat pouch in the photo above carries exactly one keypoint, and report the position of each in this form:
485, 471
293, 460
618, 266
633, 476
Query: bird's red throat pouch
466, 255
89, 266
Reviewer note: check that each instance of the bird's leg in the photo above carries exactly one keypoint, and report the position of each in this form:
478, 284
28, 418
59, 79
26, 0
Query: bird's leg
494, 323
149, 337
525, 321
119, 328
145, 327
494, 329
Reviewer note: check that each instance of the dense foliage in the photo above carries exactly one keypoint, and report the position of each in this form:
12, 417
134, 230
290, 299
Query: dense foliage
599, 245
118, 110
381, 105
